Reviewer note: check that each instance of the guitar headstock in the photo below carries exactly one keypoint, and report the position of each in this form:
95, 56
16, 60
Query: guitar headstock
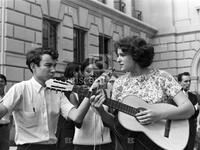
57, 85
67, 86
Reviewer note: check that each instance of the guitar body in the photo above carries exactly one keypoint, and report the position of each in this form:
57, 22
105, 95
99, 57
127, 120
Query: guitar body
179, 129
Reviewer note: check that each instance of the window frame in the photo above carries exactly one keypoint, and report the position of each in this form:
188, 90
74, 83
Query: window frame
49, 34
120, 5
79, 44
104, 54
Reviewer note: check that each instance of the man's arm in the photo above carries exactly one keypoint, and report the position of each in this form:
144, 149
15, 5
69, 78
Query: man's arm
73, 99
3, 110
78, 114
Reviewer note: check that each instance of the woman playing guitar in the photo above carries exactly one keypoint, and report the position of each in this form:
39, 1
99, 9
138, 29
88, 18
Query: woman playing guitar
153, 87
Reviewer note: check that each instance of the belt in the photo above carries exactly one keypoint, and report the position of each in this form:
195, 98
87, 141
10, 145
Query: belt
3, 125
38, 146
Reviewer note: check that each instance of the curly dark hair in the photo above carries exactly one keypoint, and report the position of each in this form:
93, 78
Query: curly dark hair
137, 47
34, 56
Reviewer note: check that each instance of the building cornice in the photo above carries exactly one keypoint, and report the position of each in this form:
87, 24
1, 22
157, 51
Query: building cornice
116, 15
179, 30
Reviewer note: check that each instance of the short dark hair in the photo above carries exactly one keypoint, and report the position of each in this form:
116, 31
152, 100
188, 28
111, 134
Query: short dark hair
87, 62
137, 47
4, 78
34, 56
179, 76
70, 69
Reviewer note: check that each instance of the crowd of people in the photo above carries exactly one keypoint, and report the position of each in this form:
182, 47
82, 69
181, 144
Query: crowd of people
88, 119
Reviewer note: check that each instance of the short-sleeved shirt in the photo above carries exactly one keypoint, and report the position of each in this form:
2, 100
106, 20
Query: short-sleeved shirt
155, 87
35, 111
92, 131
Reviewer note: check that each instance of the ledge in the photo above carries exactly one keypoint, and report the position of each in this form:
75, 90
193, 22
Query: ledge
105, 10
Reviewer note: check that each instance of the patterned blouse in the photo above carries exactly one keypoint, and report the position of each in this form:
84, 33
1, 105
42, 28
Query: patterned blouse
155, 87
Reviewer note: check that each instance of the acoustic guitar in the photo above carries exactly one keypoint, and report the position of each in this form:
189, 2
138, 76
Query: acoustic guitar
167, 134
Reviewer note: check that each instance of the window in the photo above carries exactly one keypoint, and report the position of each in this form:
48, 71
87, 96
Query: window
79, 48
49, 34
119, 5
103, 44
138, 14
103, 50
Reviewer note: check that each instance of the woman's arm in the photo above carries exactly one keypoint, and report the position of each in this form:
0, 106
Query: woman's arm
183, 110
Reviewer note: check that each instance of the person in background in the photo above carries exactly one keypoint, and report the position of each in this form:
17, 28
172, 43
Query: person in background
151, 85
185, 80
66, 128
91, 133
36, 108
5, 121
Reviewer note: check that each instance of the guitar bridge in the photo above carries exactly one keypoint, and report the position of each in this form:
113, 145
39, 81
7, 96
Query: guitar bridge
167, 128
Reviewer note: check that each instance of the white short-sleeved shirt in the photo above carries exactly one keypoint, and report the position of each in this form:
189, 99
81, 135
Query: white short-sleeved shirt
92, 131
35, 111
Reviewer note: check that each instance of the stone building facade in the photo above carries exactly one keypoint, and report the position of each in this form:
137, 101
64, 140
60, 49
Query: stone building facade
175, 33
177, 42
172, 26
22, 29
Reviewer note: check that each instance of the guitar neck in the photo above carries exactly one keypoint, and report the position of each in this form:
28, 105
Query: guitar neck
68, 86
84, 91
121, 107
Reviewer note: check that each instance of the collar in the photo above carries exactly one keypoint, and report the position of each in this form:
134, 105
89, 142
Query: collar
36, 85
185, 92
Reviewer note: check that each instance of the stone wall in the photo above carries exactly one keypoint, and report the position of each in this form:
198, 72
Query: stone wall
23, 30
